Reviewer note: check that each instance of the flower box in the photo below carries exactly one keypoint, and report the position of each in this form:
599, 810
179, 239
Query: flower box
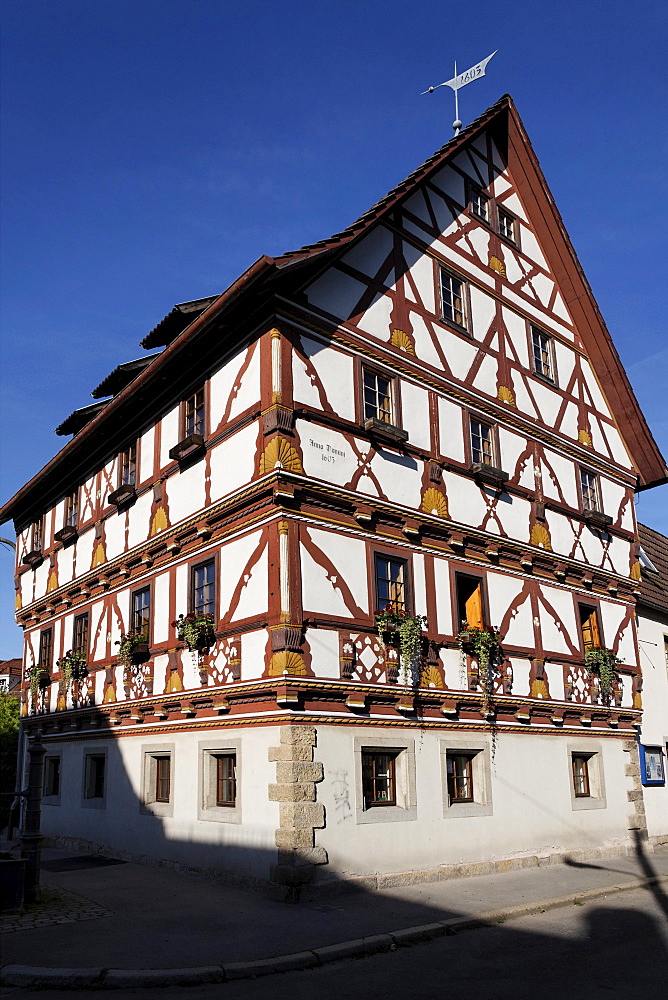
385, 433
597, 519
33, 558
489, 474
139, 652
66, 534
124, 494
188, 448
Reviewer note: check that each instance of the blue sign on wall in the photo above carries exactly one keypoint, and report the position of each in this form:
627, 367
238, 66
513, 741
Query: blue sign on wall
652, 768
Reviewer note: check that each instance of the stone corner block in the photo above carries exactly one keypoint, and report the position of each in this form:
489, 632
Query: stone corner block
297, 815
294, 792
298, 735
290, 752
298, 770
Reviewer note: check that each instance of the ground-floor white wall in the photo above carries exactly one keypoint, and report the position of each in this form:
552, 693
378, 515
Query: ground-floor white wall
653, 645
525, 799
524, 802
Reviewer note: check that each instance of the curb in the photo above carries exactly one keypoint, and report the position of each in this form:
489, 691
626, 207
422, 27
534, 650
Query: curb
34, 977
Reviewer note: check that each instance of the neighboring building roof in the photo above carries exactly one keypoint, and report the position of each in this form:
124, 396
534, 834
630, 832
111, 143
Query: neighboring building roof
654, 586
189, 322
121, 376
12, 670
80, 418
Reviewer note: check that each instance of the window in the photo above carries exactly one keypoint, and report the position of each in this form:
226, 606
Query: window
379, 779
157, 798
469, 601
589, 630
580, 764
80, 634
203, 588
390, 583
194, 414
452, 299
52, 776
226, 782
460, 777
141, 611
72, 510
590, 491
46, 648
128, 466
482, 443
542, 354
507, 225
94, 774
36, 536
163, 778
479, 203
377, 397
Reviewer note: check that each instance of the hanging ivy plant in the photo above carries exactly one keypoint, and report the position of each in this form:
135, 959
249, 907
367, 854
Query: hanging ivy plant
603, 662
481, 644
195, 629
409, 629
128, 643
38, 677
73, 667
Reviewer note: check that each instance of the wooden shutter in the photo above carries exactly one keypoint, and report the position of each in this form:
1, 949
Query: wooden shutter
473, 607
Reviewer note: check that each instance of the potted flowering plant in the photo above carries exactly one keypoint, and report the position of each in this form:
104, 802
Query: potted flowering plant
73, 666
398, 622
38, 678
603, 662
195, 629
132, 647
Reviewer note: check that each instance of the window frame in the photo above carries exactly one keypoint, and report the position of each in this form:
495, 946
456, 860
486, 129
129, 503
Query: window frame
45, 660
455, 757
370, 759
580, 774
393, 393
596, 484
89, 800
463, 327
406, 582
37, 535
475, 191
149, 804
128, 459
71, 510
134, 594
593, 752
493, 439
594, 617
52, 762
477, 747
208, 809
460, 576
538, 331
77, 645
405, 807
194, 567
197, 422
514, 240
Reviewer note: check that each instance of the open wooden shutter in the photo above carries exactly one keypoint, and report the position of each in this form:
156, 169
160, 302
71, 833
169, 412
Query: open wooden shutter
473, 607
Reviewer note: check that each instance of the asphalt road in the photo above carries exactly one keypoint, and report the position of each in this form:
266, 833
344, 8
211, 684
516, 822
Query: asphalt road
613, 946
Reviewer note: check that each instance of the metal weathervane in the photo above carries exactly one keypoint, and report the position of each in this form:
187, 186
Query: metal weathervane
474, 73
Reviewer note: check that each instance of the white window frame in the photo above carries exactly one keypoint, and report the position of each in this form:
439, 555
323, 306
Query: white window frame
207, 809
405, 809
594, 753
479, 750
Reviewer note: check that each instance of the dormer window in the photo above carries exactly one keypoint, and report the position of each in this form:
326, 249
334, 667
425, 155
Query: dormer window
479, 204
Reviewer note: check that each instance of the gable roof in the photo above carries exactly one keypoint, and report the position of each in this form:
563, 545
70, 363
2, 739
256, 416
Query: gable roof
189, 321
654, 586
121, 376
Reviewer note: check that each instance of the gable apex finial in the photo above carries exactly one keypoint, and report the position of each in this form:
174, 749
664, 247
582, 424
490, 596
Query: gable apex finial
458, 81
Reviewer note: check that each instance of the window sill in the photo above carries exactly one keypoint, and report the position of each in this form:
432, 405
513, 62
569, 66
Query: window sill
457, 327
34, 558
67, 534
189, 447
387, 433
123, 495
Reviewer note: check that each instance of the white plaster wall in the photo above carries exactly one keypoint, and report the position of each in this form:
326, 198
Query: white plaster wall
146, 454
169, 435
185, 492
415, 414
221, 387
324, 645
559, 623
612, 616
234, 558
531, 778
253, 649
400, 477
502, 589
321, 592
246, 848
160, 623
114, 533
327, 454
450, 429
335, 293
652, 636
376, 317
139, 520
370, 252
233, 461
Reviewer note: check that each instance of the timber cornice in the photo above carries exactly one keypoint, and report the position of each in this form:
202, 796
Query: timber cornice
460, 393
333, 702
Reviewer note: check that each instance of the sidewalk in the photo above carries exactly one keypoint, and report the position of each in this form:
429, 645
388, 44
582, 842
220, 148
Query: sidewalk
128, 917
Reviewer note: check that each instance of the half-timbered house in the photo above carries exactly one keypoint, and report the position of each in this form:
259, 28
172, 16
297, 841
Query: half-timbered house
422, 416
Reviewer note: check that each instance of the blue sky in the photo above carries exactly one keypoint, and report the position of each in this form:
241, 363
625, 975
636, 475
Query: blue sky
152, 149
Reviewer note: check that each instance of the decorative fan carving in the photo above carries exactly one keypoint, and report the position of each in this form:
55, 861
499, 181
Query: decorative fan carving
287, 659
433, 502
540, 537
402, 341
506, 395
159, 522
584, 437
53, 581
99, 556
636, 571
430, 677
497, 265
280, 454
